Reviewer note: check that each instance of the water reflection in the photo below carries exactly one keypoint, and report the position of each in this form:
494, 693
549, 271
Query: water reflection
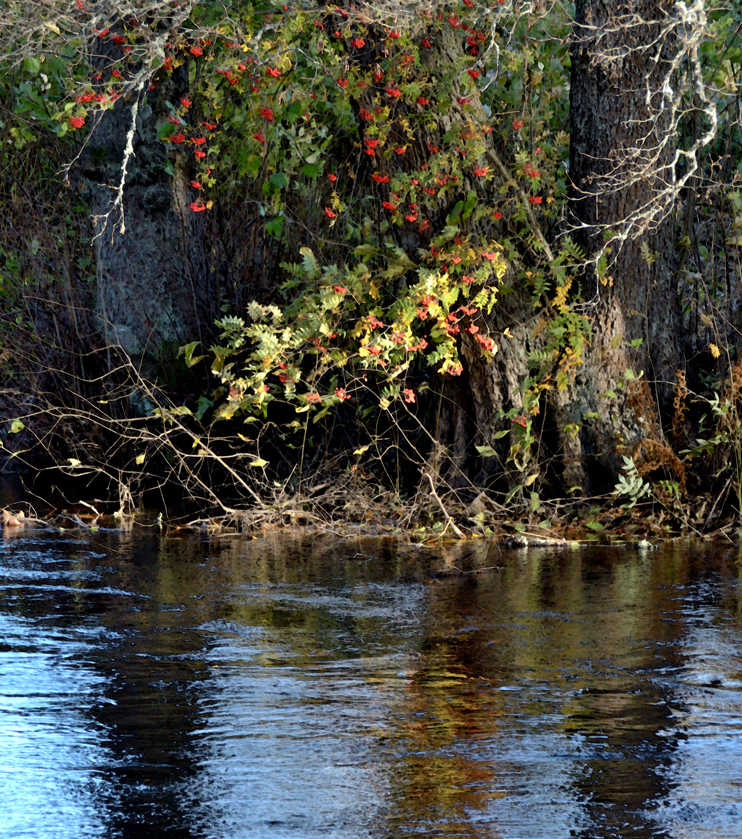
53, 753
289, 688
706, 777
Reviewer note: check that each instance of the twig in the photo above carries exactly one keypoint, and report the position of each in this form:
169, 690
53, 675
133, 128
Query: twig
435, 495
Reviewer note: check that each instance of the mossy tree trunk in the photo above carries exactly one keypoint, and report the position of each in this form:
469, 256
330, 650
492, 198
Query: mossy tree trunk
153, 281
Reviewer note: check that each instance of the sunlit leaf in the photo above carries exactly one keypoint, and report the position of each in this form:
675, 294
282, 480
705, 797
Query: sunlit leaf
486, 451
187, 352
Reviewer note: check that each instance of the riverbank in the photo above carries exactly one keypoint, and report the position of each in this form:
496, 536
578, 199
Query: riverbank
427, 518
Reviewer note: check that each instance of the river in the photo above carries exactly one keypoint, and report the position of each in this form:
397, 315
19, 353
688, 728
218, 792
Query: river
153, 685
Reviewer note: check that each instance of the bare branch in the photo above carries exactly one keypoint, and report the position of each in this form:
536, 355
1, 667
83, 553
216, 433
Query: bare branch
662, 169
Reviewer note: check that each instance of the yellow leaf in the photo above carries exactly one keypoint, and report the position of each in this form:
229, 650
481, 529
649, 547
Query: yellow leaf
259, 462
715, 351
140, 459
53, 26
373, 290
541, 324
560, 298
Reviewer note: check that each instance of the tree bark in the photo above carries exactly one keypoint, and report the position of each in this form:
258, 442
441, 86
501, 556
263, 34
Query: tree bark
151, 292
618, 126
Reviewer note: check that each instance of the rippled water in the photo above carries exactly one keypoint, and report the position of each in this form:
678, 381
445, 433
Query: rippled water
154, 686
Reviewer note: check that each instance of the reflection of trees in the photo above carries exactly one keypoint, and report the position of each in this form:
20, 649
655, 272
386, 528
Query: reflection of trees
105, 600
199, 595
152, 668
438, 779
630, 634
581, 634
585, 638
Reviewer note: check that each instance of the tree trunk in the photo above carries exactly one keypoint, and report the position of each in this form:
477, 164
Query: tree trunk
617, 129
151, 293
472, 406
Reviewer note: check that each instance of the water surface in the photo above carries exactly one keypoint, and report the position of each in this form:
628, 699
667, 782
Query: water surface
180, 687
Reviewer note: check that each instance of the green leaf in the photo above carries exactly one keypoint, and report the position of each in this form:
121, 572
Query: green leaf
274, 227
535, 502
310, 170
471, 201
187, 351
294, 111
16, 426
321, 414
252, 165
509, 496
594, 525
166, 130
311, 268
203, 406
455, 214
280, 180
31, 64
486, 451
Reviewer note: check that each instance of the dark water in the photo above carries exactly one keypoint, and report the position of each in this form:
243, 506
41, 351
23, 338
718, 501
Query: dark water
154, 686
